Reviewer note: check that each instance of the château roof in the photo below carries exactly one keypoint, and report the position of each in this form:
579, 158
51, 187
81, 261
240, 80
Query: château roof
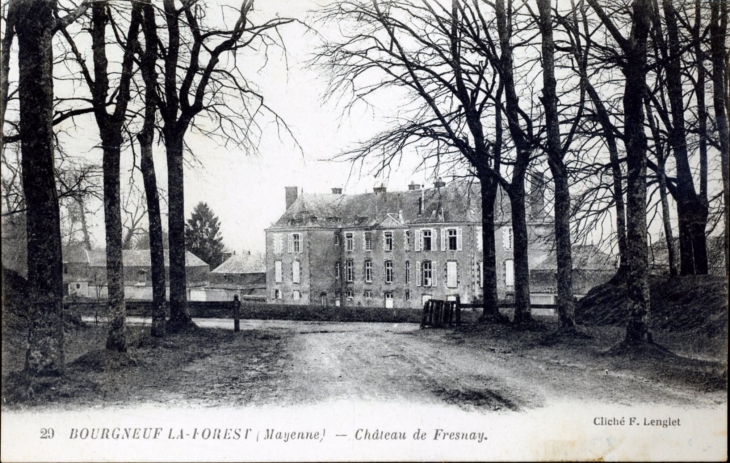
457, 202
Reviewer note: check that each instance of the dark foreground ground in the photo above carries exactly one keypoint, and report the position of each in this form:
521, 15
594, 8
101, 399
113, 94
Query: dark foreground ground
289, 362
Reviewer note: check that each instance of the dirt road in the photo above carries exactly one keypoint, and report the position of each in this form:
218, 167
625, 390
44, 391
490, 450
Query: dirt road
385, 362
291, 363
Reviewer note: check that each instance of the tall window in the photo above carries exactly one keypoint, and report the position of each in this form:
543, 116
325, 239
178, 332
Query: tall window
349, 294
278, 243
408, 272
480, 244
296, 295
389, 271
368, 271
368, 294
452, 239
426, 239
451, 275
349, 271
297, 243
509, 272
368, 241
295, 274
349, 242
388, 241
507, 238
337, 270
426, 274
408, 239
277, 294
337, 238
277, 271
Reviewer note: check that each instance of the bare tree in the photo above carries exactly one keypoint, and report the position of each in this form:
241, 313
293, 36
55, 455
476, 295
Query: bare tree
556, 151
111, 127
579, 36
34, 24
721, 102
147, 166
634, 50
134, 212
192, 87
420, 48
692, 208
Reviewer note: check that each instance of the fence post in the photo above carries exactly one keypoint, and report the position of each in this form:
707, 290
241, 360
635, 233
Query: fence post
458, 310
236, 314
424, 316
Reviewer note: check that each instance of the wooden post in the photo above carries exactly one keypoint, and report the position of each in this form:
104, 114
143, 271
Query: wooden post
424, 317
236, 314
458, 310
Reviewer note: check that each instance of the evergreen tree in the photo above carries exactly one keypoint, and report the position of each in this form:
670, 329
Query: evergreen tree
202, 236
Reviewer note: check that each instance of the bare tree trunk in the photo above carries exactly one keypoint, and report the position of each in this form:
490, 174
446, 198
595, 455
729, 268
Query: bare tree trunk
691, 214
523, 312
84, 224
662, 178
490, 311
718, 37
637, 329
147, 166
666, 219
116, 339
179, 316
34, 26
566, 310
701, 105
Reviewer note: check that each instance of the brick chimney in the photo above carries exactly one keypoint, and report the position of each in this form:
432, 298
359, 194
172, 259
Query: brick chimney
414, 186
292, 192
379, 189
336, 191
536, 198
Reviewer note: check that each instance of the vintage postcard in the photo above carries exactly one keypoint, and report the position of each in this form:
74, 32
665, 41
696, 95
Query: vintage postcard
364, 230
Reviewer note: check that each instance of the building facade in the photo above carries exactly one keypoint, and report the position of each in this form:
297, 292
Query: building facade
392, 249
242, 275
84, 273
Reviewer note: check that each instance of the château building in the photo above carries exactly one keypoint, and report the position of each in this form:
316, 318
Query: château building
393, 249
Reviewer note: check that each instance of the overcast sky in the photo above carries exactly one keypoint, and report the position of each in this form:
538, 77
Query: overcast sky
246, 190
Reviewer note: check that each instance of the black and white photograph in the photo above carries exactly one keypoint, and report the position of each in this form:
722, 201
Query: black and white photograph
364, 230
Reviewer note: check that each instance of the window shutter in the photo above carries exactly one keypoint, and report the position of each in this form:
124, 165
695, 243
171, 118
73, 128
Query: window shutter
419, 273
384, 246
434, 273
434, 239
443, 239
417, 242
273, 294
505, 238
365, 241
291, 243
458, 239
481, 274
480, 244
